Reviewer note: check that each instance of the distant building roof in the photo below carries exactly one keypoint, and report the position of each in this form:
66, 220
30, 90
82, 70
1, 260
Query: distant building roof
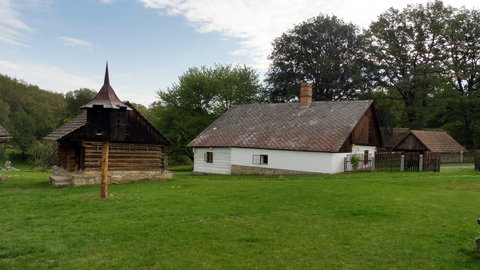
433, 141
392, 136
322, 127
4, 133
106, 97
69, 127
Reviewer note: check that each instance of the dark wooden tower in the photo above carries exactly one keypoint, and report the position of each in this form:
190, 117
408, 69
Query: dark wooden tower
136, 147
106, 114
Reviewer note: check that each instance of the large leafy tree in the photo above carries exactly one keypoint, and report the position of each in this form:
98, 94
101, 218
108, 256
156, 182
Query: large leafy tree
200, 96
461, 67
28, 112
405, 47
76, 99
323, 50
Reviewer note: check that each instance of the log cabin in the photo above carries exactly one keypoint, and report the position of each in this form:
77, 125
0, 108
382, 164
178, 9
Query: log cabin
287, 138
136, 148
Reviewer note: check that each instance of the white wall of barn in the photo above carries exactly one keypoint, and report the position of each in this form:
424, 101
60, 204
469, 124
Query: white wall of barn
220, 164
316, 162
360, 149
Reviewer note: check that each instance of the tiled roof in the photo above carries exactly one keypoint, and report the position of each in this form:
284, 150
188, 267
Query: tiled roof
4, 133
68, 127
106, 97
322, 127
437, 141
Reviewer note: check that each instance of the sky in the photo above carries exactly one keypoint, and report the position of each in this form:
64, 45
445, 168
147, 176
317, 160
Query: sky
63, 45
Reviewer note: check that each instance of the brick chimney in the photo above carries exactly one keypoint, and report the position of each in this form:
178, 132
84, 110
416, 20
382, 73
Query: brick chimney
305, 94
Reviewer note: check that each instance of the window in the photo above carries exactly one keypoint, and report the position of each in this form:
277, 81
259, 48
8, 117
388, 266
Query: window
208, 157
260, 159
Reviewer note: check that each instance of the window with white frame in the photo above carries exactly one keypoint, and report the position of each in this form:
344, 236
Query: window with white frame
260, 159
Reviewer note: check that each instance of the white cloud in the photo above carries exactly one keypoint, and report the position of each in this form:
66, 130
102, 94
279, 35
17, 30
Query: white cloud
71, 41
12, 28
257, 23
46, 76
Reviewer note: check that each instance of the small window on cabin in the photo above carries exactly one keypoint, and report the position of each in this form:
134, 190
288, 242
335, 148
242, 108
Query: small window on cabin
208, 157
260, 159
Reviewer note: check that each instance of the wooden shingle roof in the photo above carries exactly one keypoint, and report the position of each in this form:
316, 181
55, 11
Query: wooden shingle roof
322, 127
433, 141
4, 133
437, 141
106, 97
69, 127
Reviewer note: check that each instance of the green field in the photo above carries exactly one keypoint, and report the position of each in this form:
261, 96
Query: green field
346, 221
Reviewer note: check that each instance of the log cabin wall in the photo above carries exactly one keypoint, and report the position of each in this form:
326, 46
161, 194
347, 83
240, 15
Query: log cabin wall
69, 156
125, 156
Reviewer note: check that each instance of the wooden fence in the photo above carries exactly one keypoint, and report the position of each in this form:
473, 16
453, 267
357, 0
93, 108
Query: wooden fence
396, 161
387, 161
457, 157
432, 161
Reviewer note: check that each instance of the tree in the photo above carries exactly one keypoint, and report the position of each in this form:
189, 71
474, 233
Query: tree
76, 99
28, 112
323, 50
405, 47
461, 67
200, 96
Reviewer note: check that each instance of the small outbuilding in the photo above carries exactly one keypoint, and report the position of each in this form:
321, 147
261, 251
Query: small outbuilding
136, 148
4, 135
428, 141
287, 138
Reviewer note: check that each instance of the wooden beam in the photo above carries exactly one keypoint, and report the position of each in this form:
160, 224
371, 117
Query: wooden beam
104, 184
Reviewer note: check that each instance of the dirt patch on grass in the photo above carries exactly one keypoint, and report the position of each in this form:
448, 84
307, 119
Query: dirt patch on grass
110, 197
470, 186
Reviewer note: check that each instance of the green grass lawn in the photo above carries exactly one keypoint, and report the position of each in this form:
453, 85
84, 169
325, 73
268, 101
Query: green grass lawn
346, 221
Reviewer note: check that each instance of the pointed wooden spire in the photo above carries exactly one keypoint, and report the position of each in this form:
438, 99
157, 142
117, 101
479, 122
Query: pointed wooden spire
107, 78
106, 97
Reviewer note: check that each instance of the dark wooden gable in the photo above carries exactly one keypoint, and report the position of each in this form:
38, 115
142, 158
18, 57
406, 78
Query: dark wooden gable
139, 129
366, 132
410, 143
132, 128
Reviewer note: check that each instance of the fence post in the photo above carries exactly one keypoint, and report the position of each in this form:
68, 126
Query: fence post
461, 157
373, 162
420, 163
345, 164
402, 163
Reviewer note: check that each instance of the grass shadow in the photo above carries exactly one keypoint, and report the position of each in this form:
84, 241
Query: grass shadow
472, 254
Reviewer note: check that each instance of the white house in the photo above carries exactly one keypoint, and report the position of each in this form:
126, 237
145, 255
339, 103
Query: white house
287, 138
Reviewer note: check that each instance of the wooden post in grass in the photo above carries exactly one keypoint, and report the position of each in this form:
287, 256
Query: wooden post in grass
104, 184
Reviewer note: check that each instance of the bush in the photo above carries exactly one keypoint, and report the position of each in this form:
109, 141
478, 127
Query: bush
42, 154
355, 161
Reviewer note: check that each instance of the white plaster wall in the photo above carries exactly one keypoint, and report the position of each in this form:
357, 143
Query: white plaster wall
317, 162
220, 164
360, 149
